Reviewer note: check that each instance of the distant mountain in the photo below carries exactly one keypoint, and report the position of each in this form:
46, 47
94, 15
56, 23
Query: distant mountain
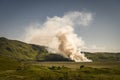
17, 50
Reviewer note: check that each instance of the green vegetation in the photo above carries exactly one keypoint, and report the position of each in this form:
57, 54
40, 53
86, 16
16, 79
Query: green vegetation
26, 52
13, 70
8, 63
103, 57
16, 49
29, 52
22, 61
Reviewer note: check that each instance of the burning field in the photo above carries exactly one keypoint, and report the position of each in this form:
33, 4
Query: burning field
58, 33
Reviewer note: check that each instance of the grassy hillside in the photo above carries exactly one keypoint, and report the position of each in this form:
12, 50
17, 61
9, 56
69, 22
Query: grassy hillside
17, 49
103, 57
8, 63
22, 51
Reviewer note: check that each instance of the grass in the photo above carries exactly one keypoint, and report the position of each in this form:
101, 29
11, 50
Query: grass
76, 65
22, 51
13, 70
14, 64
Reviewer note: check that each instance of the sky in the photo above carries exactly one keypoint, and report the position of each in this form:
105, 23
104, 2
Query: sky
102, 34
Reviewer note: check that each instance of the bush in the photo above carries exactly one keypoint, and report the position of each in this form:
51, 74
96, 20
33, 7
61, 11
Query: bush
82, 66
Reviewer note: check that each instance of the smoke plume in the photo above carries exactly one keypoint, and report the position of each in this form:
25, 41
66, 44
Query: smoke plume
58, 33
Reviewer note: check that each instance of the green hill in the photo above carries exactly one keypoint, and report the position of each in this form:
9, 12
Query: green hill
29, 52
22, 51
103, 56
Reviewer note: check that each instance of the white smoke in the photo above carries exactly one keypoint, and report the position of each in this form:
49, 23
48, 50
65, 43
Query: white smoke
58, 33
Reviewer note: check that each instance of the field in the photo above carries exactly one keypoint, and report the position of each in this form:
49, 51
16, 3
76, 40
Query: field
76, 65
12, 70
22, 61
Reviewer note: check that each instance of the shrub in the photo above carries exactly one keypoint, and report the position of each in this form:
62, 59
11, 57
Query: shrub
82, 66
